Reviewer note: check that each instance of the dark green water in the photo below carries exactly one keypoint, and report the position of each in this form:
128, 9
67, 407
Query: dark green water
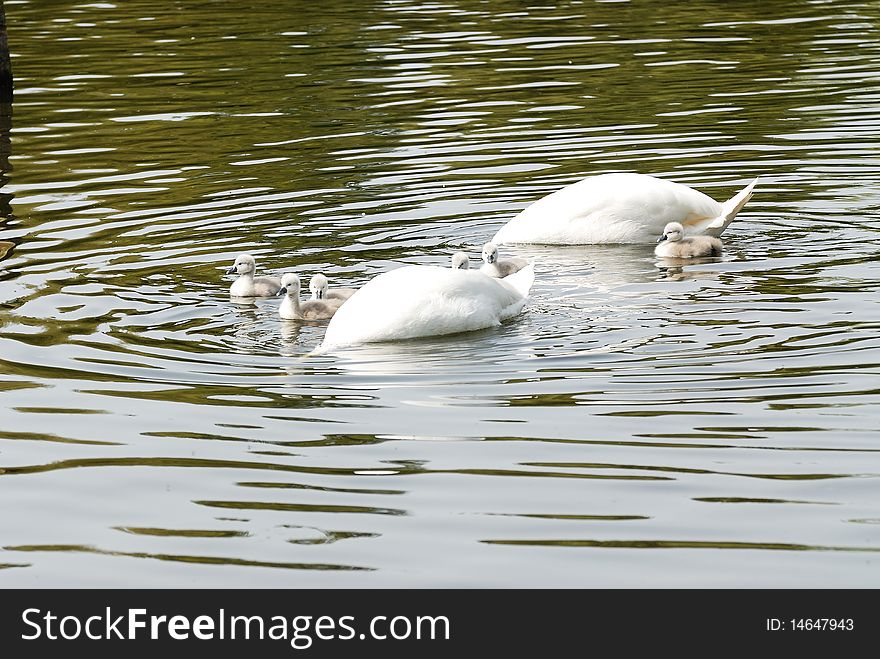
636, 426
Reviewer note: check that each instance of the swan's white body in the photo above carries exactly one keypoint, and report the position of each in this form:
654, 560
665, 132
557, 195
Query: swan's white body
249, 286
421, 300
619, 208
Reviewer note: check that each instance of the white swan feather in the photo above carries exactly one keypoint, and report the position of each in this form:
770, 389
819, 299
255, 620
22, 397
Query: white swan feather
619, 208
419, 300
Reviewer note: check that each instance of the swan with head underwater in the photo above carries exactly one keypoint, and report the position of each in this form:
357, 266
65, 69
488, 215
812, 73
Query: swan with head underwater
320, 291
292, 309
620, 208
247, 285
421, 300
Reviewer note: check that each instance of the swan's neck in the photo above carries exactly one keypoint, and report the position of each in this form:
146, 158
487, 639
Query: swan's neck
291, 303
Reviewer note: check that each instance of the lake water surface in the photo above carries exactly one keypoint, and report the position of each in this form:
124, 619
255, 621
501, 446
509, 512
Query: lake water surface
637, 425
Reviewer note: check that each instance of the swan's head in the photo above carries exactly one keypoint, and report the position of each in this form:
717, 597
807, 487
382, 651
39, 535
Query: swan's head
289, 285
318, 286
672, 232
243, 265
490, 253
460, 261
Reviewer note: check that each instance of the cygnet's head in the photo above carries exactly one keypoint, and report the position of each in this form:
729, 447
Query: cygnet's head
672, 232
289, 285
318, 286
243, 265
490, 253
460, 261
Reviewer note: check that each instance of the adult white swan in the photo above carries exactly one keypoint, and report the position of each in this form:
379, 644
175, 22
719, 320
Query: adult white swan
422, 300
619, 208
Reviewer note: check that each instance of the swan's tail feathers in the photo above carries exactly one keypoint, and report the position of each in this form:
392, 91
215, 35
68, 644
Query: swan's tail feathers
729, 209
521, 281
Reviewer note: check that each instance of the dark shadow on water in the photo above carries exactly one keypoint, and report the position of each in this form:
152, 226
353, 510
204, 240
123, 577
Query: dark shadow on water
6, 216
204, 560
676, 544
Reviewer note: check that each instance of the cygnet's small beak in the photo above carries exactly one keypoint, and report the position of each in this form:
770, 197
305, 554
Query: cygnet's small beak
232, 270
661, 238
282, 291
